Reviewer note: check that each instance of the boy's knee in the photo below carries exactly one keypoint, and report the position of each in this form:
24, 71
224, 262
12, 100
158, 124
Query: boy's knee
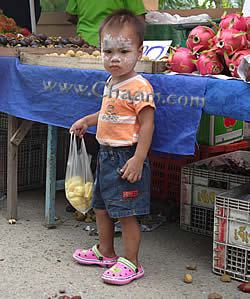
128, 219
100, 212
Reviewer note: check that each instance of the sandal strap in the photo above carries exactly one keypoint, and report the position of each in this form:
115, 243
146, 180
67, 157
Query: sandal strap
97, 252
129, 264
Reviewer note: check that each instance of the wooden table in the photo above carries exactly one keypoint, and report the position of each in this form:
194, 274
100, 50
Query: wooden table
17, 130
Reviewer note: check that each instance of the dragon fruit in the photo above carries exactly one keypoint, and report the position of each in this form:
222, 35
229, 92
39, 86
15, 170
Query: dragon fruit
181, 60
233, 21
208, 63
234, 62
248, 27
200, 39
230, 41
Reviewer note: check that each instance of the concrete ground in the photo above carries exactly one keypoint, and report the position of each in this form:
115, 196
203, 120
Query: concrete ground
36, 262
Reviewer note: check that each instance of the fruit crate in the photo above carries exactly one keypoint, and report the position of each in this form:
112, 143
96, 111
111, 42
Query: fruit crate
166, 175
217, 130
207, 151
231, 246
246, 130
166, 32
200, 186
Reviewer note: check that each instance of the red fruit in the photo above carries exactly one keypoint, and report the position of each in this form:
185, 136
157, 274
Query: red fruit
3, 18
11, 22
181, 60
233, 21
8, 28
234, 62
248, 27
25, 32
245, 287
200, 39
208, 63
230, 41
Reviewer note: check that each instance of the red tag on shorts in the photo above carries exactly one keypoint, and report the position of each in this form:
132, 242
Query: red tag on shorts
129, 194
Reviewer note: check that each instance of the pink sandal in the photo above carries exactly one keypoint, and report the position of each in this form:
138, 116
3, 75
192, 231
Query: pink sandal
123, 272
93, 257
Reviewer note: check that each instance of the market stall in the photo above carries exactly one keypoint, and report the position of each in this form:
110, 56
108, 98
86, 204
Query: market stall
180, 100
48, 83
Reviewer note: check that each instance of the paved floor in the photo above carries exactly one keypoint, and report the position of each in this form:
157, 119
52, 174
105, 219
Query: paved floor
36, 262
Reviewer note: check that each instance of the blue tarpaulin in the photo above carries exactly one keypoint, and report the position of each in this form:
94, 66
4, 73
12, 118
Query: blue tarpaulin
59, 96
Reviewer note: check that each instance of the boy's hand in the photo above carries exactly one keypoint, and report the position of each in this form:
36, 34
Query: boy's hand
132, 170
79, 127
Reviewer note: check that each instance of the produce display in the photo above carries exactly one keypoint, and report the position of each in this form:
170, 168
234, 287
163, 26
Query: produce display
212, 53
78, 53
227, 165
78, 193
13, 36
81, 53
41, 40
9, 27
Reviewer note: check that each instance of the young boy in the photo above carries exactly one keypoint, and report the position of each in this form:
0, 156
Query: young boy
125, 125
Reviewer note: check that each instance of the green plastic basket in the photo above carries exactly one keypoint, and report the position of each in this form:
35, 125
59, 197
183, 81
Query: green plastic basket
178, 33
165, 32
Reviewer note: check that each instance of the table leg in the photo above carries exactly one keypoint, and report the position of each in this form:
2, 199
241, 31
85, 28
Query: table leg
12, 169
51, 177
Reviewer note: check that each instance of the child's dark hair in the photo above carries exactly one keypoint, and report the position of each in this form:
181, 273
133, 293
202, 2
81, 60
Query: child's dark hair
123, 17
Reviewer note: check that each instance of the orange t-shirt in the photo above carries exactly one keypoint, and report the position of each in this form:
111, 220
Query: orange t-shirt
118, 123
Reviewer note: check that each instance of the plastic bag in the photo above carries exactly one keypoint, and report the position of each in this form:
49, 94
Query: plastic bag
79, 179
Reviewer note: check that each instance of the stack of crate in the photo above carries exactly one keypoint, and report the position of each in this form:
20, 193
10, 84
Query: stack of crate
200, 186
231, 246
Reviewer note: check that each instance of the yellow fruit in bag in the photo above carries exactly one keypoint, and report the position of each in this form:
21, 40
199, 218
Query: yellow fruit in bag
74, 179
79, 191
88, 191
79, 204
70, 194
73, 185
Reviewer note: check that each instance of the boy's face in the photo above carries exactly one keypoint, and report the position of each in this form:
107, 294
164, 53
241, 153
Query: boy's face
120, 50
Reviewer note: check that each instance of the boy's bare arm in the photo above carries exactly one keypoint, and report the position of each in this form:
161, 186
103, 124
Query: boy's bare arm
132, 170
82, 124
146, 120
92, 119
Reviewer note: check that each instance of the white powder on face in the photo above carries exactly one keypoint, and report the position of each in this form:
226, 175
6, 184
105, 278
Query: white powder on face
119, 50
119, 42
115, 45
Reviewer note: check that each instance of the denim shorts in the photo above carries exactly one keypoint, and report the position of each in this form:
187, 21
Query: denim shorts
112, 193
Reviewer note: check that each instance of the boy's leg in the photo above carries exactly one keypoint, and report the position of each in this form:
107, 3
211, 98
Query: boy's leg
131, 236
105, 228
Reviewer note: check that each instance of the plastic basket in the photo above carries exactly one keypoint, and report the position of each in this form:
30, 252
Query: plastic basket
165, 32
207, 151
231, 247
166, 175
199, 188
31, 163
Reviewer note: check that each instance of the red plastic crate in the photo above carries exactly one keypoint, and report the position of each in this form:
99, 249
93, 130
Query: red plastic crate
166, 175
210, 151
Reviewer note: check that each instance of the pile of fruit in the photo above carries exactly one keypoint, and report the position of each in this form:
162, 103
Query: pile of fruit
8, 26
214, 53
79, 193
229, 165
85, 53
42, 41
79, 53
